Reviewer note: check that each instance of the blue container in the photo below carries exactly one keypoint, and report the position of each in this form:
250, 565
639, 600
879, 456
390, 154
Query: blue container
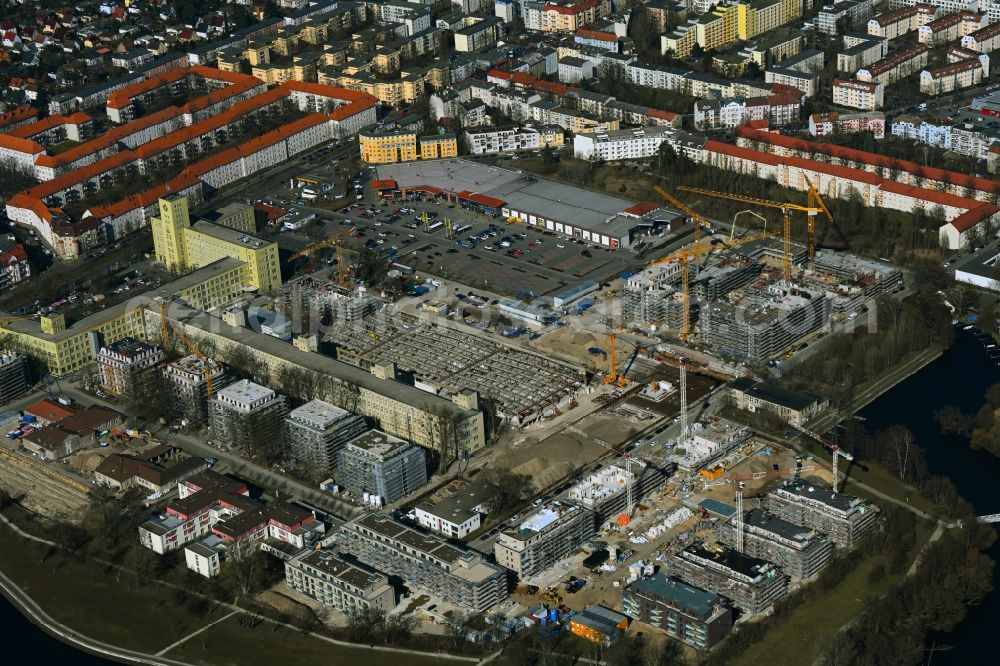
554, 615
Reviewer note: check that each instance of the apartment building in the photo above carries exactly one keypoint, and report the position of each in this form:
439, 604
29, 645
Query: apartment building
801, 552
844, 519
834, 122
694, 616
246, 415
984, 40
951, 27
553, 532
798, 71
477, 35
489, 141
124, 364
14, 376
385, 145
340, 583
316, 431
944, 6
955, 76
847, 13
574, 70
896, 66
426, 562
916, 129
860, 51
858, 94
758, 17
182, 245
381, 465
210, 504
188, 379
568, 16
157, 470
626, 144
973, 141
895, 24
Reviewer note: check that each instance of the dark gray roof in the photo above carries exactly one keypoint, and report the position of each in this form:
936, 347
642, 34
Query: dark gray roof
693, 600
774, 394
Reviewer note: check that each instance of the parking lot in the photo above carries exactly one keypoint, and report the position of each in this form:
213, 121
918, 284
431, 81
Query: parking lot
484, 251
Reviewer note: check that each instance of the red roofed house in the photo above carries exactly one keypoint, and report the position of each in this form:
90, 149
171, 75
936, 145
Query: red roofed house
14, 266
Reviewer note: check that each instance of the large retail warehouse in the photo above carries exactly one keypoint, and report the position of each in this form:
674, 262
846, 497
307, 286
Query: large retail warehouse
571, 211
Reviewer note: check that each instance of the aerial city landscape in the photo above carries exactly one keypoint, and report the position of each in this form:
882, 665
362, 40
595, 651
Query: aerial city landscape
633, 332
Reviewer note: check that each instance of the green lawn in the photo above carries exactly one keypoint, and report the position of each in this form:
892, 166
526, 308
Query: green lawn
229, 644
96, 603
797, 638
877, 477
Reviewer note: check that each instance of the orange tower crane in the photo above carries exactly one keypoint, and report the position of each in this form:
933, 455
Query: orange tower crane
786, 209
699, 220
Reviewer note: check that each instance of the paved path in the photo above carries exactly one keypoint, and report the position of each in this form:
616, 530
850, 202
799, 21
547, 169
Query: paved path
195, 633
34, 612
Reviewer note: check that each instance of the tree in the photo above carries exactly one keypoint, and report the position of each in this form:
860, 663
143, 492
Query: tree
244, 569
456, 627
505, 490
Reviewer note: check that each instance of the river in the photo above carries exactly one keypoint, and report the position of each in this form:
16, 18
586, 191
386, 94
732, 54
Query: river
27, 644
959, 377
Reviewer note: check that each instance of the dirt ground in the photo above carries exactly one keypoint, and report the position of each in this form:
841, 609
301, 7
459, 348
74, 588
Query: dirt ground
40, 492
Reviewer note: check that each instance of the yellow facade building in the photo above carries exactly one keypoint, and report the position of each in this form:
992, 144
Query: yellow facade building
381, 146
759, 17
183, 246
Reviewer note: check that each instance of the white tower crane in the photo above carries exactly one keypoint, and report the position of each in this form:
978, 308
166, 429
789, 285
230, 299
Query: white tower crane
834, 450
684, 402
738, 518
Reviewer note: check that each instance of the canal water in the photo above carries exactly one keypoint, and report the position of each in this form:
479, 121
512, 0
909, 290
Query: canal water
959, 377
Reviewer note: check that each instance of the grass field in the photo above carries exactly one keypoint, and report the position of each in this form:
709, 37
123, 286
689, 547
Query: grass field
94, 602
797, 639
269, 644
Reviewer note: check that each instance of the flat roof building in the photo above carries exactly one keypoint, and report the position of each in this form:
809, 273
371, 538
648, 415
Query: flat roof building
551, 533
188, 379
317, 430
340, 583
789, 406
845, 519
122, 365
604, 491
381, 465
457, 515
801, 552
14, 376
694, 616
250, 417
425, 562
752, 584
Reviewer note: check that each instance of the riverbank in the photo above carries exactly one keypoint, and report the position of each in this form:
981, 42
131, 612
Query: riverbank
109, 611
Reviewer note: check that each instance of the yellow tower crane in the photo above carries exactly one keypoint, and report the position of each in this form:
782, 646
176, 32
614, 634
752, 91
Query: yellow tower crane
697, 218
337, 242
786, 209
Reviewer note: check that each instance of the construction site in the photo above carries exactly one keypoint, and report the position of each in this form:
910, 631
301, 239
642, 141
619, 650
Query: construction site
445, 360
752, 297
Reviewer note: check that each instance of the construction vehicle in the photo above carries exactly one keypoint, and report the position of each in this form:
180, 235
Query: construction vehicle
732, 227
786, 209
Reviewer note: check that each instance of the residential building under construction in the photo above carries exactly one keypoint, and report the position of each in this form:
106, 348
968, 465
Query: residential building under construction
801, 552
553, 532
427, 563
381, 465
14, 376
843, 518
188, 380
317, 430
606, 491
760, 321
749, 582
124, 364
652, 297
245, 413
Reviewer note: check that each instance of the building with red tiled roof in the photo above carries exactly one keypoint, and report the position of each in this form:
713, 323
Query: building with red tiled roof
876, 185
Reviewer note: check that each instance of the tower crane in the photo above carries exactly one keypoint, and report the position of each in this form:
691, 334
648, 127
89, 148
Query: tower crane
786, 209
337, 242
685, 257
834, 450
697, 218
204, 360
738, 518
